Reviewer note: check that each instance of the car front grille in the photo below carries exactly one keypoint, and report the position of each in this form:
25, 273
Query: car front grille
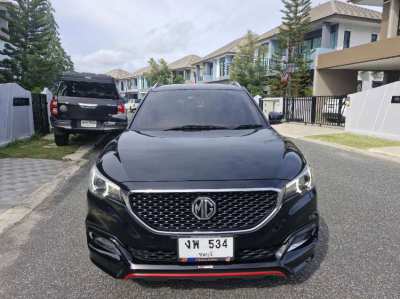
171, 257
172, 211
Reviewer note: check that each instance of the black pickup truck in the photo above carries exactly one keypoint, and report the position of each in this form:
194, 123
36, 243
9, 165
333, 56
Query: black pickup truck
86, 103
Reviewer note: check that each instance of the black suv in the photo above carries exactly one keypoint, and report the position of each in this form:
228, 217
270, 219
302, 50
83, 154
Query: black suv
200, 186
86, 103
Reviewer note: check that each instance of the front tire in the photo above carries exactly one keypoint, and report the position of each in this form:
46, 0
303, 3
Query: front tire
61, 139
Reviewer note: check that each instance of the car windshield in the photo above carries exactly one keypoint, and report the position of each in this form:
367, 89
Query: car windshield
88, 90
197, 110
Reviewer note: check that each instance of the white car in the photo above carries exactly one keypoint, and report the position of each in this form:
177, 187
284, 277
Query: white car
130, 105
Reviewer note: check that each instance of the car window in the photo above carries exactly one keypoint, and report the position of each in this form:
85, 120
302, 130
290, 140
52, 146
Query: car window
163, 110
88, 90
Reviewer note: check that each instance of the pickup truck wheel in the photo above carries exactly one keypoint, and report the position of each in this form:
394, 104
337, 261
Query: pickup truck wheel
61, 139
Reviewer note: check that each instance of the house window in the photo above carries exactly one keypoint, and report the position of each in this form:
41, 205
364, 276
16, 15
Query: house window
374, 37
376, 84
222, 69
346, 41
122, 85
334, 36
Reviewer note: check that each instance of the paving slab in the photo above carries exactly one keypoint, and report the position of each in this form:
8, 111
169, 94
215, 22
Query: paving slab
19, 178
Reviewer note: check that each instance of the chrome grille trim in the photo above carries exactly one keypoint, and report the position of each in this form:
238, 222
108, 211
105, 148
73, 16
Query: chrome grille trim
280, 193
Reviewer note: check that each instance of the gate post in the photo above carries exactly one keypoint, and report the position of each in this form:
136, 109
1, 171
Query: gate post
313, 109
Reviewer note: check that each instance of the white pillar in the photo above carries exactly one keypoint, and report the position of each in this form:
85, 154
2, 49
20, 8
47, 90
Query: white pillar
393, 18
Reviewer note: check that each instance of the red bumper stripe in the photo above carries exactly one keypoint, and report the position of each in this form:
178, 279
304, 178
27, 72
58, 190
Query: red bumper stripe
218, 274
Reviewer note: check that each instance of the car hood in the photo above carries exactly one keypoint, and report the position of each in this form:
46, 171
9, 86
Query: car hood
151, 156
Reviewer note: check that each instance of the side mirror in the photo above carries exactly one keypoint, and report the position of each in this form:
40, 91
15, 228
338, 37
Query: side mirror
275, 117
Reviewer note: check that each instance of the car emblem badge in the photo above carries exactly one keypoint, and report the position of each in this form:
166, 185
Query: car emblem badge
204, 208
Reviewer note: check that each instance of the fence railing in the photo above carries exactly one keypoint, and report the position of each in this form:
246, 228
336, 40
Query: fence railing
321, 110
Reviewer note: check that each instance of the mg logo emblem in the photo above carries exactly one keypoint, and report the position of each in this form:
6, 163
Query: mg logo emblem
204, 208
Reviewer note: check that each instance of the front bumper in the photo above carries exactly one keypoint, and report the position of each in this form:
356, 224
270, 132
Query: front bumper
112, 232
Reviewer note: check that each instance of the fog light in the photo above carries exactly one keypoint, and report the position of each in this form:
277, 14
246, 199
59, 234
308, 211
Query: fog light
297, 244
105, 246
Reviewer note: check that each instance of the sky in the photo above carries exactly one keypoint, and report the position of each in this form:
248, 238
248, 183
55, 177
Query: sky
101, 35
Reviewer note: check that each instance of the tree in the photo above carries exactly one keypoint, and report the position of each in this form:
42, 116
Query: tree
294, 71
178, 79
159, 72
248, 67
35, 54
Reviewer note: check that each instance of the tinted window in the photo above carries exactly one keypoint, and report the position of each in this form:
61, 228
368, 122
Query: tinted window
346, 41
163, 110
88, 90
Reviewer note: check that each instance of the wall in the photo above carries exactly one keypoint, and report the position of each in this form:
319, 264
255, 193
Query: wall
360, 34
16, 122
371, 112
334, 82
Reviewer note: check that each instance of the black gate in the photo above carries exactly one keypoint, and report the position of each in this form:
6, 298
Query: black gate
40, 115
324, 110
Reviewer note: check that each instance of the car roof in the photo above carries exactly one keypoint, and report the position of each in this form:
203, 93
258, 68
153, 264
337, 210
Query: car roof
201, 86
86, 77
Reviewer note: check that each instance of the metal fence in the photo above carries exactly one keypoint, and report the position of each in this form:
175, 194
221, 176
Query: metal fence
40, 115
322, 110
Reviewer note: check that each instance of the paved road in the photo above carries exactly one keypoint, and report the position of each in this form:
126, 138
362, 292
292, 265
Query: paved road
358, 257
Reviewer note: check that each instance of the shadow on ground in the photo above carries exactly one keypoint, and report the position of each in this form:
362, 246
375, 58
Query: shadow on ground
311, 268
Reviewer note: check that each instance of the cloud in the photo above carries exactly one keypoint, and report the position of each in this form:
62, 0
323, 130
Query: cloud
101, 35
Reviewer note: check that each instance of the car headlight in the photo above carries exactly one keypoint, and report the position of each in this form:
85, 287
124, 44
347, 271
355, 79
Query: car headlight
301, 184
103, 187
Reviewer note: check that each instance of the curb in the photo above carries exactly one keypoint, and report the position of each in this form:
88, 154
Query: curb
14, 215
79, 154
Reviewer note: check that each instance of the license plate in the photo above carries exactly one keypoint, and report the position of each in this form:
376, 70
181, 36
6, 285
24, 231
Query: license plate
88, 123
205, 248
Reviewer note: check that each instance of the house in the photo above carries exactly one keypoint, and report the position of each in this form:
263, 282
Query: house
335, 25
123, 82
183, 67
215, 66
142, 84
337, 72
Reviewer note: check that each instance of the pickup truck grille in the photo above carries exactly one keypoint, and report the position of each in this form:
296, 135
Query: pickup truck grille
172, 212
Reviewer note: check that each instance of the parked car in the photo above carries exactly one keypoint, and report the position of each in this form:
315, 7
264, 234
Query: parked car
200, 186
86, 103
132, 104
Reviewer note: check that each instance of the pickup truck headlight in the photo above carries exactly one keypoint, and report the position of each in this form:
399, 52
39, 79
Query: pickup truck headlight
301, 184
103, 187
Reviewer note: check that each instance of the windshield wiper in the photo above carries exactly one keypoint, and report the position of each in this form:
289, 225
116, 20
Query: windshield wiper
197, 128
248, 126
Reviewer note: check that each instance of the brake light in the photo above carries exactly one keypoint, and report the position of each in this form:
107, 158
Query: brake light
54, 107
121, 108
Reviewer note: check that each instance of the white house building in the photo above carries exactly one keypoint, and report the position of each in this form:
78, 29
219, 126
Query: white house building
184, 67
122, 81
335, 25
215, 66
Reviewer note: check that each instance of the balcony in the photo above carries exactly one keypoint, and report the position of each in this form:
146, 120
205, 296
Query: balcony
313, 55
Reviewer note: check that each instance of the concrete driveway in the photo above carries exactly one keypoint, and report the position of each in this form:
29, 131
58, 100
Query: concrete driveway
299, 130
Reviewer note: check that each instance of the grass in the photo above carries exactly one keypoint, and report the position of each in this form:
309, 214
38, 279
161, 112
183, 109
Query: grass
40, 148
356, 141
